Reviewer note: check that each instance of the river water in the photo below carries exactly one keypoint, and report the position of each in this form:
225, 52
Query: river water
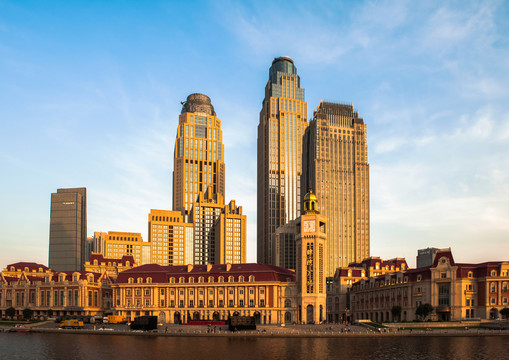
94, 347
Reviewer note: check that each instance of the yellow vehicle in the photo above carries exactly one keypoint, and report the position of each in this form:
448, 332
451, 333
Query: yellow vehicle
116, 319
71, 324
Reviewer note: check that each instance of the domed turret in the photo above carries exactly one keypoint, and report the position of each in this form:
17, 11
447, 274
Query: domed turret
310, 203
198, 103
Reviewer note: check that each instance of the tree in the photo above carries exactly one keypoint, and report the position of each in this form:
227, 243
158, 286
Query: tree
505, 312
27, 313
49, 312
424, 310
396, 312
10, 312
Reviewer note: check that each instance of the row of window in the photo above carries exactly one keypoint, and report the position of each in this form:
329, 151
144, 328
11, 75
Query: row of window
191, 303
190, 280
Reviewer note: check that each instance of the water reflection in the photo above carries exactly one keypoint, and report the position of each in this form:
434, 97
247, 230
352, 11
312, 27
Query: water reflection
69, 347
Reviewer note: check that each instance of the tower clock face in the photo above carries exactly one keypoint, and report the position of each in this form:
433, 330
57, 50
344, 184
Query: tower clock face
309, 226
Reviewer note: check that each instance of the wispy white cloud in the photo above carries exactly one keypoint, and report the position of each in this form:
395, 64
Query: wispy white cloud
390, 144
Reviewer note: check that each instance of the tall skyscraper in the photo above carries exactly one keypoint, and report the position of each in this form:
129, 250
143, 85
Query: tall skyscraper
68, 229
283, 119
335, 162
199, 153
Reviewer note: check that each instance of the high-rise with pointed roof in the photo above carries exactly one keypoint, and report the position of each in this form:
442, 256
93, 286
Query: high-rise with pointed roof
283, 119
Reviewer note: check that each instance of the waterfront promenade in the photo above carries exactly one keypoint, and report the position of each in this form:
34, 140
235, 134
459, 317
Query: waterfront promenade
311, 331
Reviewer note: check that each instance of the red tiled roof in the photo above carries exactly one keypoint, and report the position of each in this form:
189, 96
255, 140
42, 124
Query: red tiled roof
101, 259
30, 265
441, 254
32, 279
478, 270
82, 274
343, 272
162, 274
11, 279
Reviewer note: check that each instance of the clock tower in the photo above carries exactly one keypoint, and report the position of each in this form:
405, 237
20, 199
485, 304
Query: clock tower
310, 245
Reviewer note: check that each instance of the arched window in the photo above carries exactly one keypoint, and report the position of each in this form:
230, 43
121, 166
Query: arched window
190, 280
211, 279
172, 280
251, 278
493, 273
493, 287
230, 279
95, 262
470, 274
181, 280
241, 278
130, 280
149, 280
200, 279
221, 279
140, 280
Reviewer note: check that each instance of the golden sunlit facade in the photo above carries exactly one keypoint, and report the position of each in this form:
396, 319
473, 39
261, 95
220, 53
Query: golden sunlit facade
199, 153
456, 291
232, 231
99, 264
54, 293
283, 119
178, 294
115, 244
336, 168
171, 239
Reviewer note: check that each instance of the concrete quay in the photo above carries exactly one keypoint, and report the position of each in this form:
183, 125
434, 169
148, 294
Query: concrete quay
266, 331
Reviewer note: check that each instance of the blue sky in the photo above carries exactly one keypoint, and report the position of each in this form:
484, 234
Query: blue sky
90, 94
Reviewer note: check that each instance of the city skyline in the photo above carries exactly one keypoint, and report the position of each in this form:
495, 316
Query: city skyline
98, 108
